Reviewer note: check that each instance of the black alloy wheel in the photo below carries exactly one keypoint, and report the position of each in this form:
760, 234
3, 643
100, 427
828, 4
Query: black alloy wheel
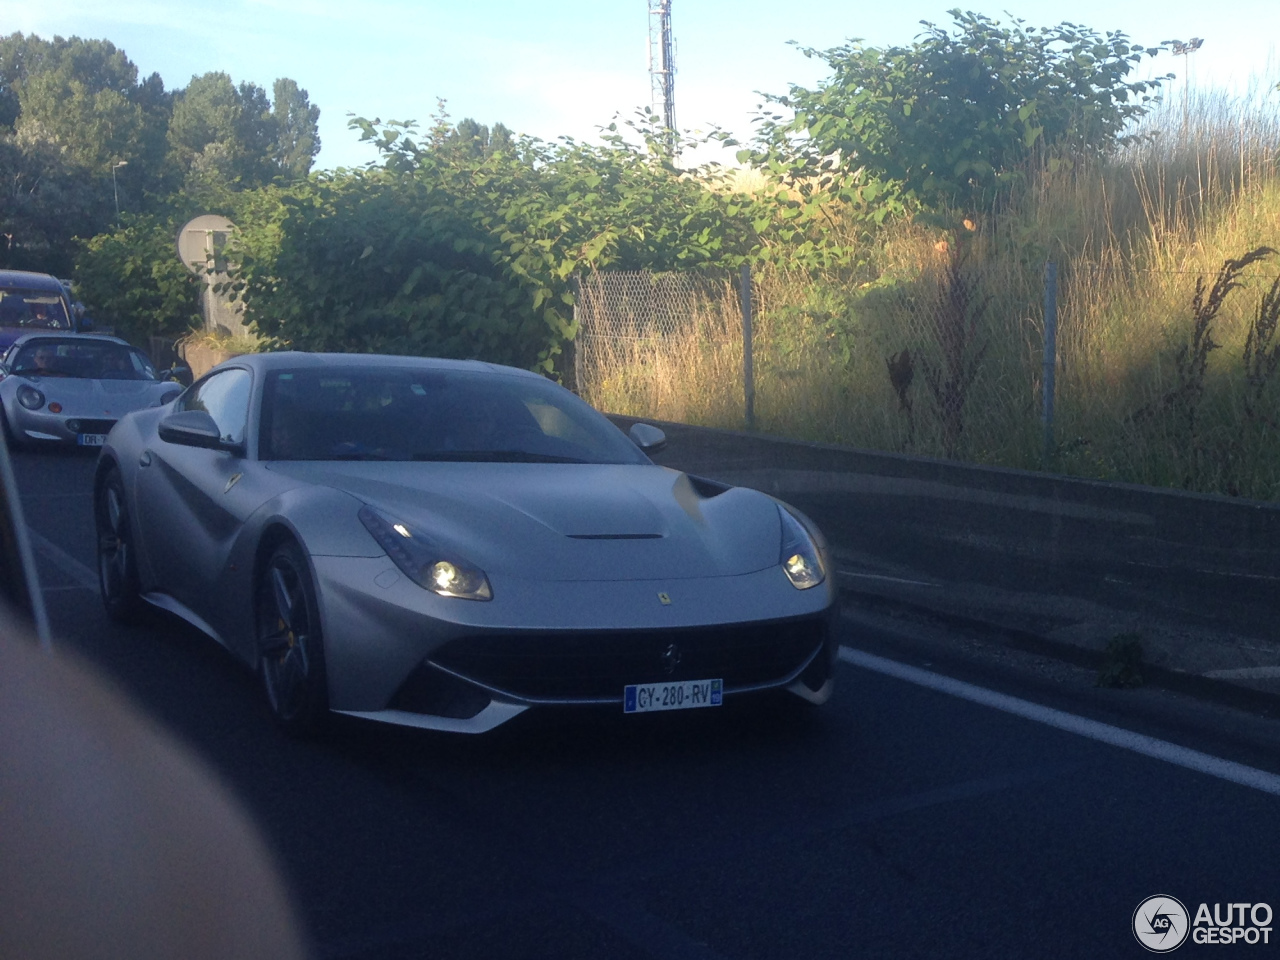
290, 647
117, 563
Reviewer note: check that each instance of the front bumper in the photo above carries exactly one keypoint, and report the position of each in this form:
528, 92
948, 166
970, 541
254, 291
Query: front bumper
400, 654
41, 426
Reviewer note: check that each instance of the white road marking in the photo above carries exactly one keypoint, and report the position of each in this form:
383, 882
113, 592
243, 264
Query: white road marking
1245, 673
880, 576
1239, 576
73, 568
1102, 732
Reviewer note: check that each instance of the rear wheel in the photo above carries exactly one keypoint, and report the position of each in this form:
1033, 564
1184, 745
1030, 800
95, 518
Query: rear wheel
290, 646
117, 562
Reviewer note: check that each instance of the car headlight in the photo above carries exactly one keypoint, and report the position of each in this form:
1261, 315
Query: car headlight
30, 397
800, 559
423, 561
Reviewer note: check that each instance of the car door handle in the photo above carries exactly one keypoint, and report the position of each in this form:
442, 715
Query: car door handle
145, 459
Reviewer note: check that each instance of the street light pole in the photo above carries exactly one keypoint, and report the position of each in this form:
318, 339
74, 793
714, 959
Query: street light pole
115, 189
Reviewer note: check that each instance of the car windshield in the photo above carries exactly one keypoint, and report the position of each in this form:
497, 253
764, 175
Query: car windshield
81, 358
32, 308
381, 413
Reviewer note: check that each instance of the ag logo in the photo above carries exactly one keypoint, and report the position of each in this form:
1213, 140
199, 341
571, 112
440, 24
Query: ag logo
1161, 923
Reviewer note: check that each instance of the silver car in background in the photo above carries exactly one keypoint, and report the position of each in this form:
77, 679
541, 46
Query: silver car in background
70, 389
446, 544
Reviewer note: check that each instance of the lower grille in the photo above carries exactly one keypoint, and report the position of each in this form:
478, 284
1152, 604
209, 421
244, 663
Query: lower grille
596, 665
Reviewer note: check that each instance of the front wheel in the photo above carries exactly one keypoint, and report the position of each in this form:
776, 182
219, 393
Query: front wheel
117, 562
290, 646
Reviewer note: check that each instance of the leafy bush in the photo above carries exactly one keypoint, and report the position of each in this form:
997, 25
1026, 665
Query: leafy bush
470, 253
132, 280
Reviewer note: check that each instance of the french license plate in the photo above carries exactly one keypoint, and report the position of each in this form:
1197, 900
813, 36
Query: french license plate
682, 695
91, 439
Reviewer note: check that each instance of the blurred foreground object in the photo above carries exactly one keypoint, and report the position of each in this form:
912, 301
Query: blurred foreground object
114, 841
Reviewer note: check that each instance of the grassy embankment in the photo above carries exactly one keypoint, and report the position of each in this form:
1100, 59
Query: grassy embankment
1130, 235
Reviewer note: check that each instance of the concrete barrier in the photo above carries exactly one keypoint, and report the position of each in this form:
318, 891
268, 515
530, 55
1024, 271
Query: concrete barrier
1071, 560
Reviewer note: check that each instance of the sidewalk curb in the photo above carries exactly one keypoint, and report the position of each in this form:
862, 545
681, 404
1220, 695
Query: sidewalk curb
1178, 681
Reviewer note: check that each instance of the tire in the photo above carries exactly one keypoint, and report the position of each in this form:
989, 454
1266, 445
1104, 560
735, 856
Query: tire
290, 645
117, 557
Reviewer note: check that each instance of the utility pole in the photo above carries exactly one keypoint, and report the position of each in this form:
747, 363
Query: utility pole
1185, 50
662, 68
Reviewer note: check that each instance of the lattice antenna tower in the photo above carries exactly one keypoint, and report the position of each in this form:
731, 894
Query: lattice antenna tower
662, 67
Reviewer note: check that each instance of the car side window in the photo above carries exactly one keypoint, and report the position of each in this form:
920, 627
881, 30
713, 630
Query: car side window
225, 397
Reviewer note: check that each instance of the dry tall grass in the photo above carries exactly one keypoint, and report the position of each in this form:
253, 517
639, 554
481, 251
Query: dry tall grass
849, 361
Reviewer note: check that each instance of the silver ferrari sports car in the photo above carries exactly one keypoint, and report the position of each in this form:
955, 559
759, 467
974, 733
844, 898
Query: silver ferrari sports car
446, 544
72, 388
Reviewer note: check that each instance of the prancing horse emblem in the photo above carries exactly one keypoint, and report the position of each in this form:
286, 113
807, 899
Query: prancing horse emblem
664, 599
670, 659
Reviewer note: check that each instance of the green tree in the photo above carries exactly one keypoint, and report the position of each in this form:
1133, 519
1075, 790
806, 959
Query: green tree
76, 109
475, 140
297, 128
83, 96
14, 51
222, 136
949, 120
45, 204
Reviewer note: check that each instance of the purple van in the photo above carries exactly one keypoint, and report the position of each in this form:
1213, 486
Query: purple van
31, 302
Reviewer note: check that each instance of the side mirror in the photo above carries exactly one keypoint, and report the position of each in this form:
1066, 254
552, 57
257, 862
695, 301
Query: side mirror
647, 437
85, 324
195, 428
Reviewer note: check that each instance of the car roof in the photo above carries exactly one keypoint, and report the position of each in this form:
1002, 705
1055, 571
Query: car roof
31, 281
68, 335
299, 360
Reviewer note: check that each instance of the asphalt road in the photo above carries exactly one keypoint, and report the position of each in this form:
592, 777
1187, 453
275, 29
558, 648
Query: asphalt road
899, 821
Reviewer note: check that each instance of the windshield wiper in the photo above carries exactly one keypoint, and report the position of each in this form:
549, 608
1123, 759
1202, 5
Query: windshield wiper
357, 456
495, 456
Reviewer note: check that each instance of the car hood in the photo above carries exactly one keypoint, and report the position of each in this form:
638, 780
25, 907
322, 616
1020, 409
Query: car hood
568, 521
96, 397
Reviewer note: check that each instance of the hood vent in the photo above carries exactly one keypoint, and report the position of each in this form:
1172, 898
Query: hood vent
706, 488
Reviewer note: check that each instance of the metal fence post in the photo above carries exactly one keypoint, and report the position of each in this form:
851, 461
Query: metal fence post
577, 338
1050, 354
748, 377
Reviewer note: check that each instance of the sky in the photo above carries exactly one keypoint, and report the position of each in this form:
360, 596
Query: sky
568, 67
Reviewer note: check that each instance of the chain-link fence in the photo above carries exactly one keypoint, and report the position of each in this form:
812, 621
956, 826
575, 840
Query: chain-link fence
950, 361
657, 341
